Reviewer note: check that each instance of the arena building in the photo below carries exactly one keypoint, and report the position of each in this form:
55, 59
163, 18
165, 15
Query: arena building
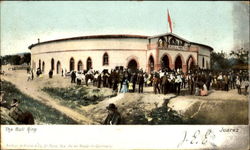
110, 51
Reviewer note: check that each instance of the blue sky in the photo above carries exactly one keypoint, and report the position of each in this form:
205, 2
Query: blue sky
210, 23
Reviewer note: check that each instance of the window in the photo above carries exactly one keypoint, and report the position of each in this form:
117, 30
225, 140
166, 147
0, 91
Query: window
89, 63
80, 66
72, 64
105, 59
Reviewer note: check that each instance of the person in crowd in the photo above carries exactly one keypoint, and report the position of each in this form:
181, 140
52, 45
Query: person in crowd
38, 72
110, 78
183, 82
50, 73
134, 80
124, 88
115, 81
29, 76
32, 74
208, 81
28, 70
114, 117
197, 90
178, 83
14, 110
99, 79
156, 81
73, 77
246, 84
121, 76
219, 81
164, 83
238, 84
105, 79
204, 91
141, 82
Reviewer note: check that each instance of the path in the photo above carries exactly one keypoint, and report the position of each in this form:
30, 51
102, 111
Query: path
33, 89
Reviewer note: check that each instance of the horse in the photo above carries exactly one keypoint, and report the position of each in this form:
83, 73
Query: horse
89, 77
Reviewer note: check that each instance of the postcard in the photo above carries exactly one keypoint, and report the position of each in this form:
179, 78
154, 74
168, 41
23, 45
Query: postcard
124, 75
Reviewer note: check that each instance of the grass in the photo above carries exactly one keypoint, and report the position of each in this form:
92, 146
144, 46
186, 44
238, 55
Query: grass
41, 112
75, 96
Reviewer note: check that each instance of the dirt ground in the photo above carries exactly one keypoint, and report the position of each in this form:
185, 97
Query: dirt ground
94, 114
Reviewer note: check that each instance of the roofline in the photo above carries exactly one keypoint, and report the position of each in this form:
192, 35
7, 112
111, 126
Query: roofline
169, 33
92, 37
202, 45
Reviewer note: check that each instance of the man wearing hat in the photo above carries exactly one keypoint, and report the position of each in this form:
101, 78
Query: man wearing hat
15, 112
113, 117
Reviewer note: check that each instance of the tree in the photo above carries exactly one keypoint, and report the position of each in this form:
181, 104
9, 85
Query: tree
25, 58
241, 56
15, 60
219, 61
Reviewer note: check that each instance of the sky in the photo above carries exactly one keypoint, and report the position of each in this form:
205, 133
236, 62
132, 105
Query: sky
221, 25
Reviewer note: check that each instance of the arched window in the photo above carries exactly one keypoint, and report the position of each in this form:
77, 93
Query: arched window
105, 59
79, 66
89, 63
52, 64
71, 64
203, 62
58, 67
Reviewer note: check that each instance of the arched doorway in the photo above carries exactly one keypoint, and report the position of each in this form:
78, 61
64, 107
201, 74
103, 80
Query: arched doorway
178, 63
79, 66
190, 63
203, 62
33, 64
165, 62
207, 65
89, 63
52, 64
58, 67
71, 64
43, 66
151, 63
132, 65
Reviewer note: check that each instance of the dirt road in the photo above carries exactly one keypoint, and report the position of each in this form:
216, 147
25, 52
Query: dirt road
33, 89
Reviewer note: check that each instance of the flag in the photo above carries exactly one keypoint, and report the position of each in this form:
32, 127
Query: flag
169, 22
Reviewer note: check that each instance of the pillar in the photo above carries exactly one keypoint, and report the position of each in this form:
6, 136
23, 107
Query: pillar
184, 68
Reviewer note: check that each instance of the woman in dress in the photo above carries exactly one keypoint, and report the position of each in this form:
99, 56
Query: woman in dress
204, 91
124, 88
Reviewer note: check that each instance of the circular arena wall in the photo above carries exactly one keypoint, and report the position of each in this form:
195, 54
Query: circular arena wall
110, 51
98, 52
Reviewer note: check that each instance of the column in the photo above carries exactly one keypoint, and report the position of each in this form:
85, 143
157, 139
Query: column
184, 68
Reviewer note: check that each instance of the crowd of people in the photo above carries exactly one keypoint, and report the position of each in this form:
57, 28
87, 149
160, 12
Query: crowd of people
197, 82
